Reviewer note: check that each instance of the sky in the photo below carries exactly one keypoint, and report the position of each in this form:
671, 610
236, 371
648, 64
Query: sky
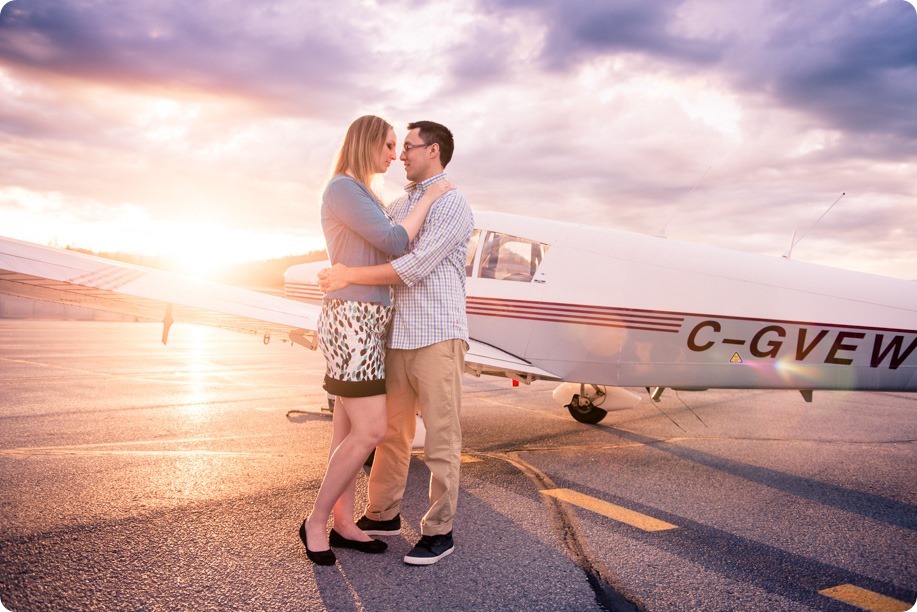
206, 130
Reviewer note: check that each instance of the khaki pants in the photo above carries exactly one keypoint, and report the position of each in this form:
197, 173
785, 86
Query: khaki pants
429, 378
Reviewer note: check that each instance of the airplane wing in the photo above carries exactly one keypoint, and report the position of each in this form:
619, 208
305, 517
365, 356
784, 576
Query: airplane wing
66, 277
56, 275
483, 358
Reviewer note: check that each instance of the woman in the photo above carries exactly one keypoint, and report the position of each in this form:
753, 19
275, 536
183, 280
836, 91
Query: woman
353, 326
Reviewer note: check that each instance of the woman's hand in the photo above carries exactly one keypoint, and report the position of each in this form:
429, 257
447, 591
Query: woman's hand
439, 188
418, 214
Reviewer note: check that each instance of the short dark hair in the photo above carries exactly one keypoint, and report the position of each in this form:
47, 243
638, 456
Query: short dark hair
431, 132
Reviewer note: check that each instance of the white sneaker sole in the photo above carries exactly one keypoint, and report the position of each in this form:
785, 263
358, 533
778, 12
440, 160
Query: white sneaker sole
426, 560
381, 532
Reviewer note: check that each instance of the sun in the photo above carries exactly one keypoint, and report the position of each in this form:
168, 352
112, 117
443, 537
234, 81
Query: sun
203, 251
212, 252
198, 261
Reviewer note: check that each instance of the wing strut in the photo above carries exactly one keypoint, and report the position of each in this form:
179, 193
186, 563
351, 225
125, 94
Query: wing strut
304, 338
167, 324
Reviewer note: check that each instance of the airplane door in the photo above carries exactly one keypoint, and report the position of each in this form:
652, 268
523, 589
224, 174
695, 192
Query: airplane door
505, 283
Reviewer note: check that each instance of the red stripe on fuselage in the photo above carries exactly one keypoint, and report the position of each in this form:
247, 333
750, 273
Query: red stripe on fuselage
606, 316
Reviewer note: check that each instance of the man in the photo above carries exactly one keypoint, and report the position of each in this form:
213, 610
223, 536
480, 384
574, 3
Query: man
426, 349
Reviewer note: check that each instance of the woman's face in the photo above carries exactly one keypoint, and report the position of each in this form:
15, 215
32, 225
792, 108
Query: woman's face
387, 153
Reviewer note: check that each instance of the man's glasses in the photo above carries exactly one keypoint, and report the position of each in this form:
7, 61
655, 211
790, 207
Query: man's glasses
408, 146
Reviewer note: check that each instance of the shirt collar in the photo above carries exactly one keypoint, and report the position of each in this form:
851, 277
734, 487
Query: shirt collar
422, 186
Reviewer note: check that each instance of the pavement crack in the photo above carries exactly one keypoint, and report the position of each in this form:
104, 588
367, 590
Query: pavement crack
608, 595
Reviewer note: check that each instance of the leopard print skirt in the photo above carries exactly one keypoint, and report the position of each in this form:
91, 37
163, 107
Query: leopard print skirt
352, 337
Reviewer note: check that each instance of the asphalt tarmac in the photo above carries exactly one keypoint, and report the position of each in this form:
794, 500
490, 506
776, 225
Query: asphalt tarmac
138, 476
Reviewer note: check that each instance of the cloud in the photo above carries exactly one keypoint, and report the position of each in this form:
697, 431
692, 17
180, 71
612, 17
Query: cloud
227, 114
848, 65
293, 59
855, 69
579, 29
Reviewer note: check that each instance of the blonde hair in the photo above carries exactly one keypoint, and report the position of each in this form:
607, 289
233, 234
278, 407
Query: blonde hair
362, 144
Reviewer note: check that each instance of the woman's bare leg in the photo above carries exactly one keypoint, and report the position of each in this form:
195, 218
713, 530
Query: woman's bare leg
366, 417
344, 506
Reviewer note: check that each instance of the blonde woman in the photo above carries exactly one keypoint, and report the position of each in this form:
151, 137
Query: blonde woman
353, 326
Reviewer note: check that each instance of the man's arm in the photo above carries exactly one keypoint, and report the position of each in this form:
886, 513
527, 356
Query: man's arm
449, 225
339, 276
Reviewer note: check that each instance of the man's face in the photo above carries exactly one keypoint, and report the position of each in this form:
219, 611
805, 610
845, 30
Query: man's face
418, 158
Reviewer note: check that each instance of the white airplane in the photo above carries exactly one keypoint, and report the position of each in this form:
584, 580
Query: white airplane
595, 309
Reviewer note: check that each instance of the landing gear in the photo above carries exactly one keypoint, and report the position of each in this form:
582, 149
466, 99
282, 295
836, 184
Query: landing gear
588, 414
583, 405
590, 403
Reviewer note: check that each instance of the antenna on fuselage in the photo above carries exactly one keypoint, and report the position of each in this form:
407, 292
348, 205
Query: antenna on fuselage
661, 232
794, 240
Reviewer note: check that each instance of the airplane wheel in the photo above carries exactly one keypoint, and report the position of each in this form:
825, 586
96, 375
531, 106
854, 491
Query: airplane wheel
588, 414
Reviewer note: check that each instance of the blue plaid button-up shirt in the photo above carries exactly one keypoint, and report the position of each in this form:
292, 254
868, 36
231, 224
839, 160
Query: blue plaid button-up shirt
430, 306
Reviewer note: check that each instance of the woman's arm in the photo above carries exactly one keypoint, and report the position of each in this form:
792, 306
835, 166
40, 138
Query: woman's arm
418, 215
352, 204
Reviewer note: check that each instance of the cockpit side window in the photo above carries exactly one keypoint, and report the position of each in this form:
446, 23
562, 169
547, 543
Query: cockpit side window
511, 258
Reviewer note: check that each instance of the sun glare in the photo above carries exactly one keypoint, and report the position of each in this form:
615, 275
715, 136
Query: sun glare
205, 250
198, 259
198, 248
209, 251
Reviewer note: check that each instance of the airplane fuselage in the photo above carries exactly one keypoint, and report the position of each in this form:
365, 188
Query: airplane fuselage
625, 309
617, 308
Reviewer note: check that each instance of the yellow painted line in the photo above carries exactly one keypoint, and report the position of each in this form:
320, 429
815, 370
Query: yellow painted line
129, 453
111, 448
617, 513
864, 599
418, 452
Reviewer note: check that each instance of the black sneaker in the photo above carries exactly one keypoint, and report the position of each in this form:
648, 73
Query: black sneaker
430, 549
380, 528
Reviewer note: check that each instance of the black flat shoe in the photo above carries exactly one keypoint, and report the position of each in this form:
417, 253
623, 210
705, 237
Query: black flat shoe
373, 547
321, 557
